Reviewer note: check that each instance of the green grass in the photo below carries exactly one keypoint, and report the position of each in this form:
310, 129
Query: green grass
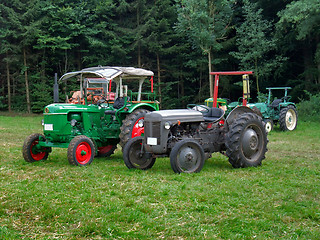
54, 200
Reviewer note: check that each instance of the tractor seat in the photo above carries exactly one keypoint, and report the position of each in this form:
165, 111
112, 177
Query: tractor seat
109, 112
214, 115
118, 103
275, 103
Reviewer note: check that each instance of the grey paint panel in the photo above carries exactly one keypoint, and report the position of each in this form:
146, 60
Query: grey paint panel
183, 115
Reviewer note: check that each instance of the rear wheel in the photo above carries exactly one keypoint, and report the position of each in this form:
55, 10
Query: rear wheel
187, 156
81, 151
288, 118
31, 150
106, 151
135, 157
246, 141
130, 126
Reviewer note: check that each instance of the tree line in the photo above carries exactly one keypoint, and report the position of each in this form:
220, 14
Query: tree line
180, 40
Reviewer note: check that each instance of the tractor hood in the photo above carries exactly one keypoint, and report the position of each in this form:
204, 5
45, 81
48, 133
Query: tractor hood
182, 115
61, 108
109, 73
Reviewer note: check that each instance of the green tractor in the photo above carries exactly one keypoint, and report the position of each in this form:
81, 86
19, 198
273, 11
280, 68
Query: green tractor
109, 109
273, 110
278, 110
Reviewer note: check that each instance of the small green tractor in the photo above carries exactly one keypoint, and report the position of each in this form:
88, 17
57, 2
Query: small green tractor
109, 109
278, 110
273, 110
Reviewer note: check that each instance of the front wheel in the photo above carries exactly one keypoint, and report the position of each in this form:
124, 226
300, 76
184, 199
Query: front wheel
81, 151
268, 125
134, 155
288, 118
187, 156
246, 141
31, 150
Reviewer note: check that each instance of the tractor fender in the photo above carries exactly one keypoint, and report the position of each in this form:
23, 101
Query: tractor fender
235, 113
283, 105
146, 106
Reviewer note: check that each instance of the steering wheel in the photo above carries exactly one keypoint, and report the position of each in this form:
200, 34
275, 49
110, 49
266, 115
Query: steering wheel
199, 108
286, 98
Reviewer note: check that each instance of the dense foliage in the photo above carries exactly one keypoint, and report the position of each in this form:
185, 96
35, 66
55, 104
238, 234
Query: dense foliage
309, 108
179, 40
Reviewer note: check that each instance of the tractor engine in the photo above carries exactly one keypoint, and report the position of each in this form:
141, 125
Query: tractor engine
163, 129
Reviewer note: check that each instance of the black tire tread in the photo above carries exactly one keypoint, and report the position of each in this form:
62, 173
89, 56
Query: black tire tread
26, 147
108, 154
233, 138
174, 153
73, 143
282, 117
127, 125
126, 157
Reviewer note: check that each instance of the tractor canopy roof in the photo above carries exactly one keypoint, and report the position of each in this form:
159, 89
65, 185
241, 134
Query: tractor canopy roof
109, 73
278, 88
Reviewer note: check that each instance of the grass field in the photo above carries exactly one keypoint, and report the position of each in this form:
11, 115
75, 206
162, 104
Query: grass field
54, 200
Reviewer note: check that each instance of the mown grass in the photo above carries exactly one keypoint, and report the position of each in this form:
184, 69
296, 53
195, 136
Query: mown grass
54, 200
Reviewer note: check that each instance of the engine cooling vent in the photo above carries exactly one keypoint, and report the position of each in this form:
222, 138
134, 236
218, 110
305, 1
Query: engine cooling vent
152, 129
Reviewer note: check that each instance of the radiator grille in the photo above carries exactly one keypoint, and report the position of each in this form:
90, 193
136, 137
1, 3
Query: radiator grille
152, 129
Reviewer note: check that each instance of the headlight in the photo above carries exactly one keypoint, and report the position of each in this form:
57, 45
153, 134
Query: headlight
73, 122
141, 123
167, 125
42, 122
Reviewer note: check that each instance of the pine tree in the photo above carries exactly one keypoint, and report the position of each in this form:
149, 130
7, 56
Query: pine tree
206, 24
254, 42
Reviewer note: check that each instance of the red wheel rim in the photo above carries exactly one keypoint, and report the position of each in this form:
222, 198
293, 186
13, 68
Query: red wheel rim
105, 149
136, 130
36, 156
83, 153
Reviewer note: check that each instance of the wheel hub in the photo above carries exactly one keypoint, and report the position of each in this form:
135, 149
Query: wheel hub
83, 153
250, 142
268, 127
139, 158
290, 119
36, 151
187, 158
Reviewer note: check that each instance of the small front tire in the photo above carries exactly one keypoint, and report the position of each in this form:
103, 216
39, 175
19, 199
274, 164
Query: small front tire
134, 155
81, 151
187, 156
31, 152
268, 125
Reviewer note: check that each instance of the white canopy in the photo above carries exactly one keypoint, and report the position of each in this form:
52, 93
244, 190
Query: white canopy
110, 72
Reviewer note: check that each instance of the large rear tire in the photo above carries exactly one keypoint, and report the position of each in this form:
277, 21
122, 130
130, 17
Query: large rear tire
106, 151
130, 127
81, 151
135, 157
288, 118
187, 156
31, 152
246, 141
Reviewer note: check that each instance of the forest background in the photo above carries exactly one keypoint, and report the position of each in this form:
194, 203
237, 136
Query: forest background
181, 41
